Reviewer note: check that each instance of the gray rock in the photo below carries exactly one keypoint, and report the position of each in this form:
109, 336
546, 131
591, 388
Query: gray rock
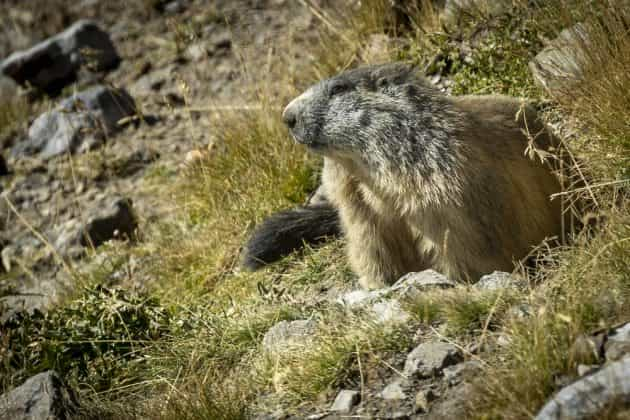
393, 391
589, 396
55, 62
560, 64
153, 82
412, 284
346, 399
78, 124
500, 280
454, 404
360, 297
288, 333
618, 343
430, 358
42, 397
389, 311
461, 371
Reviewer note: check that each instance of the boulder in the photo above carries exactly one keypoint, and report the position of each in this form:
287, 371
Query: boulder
559, 65
430, 358
389, 311
42, 397
55, 62
346, 399
80, 123
617, 344
591, 395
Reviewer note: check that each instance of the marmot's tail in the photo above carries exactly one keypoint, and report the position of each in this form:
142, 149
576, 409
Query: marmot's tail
287, 231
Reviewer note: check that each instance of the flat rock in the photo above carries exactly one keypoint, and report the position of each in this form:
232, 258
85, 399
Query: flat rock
558, 65
430, 358
591, 395
345, 400
287, 333
80, 123
500, 280
42, 397
617, 344
412, 284
55, 62
360, 297
389, 311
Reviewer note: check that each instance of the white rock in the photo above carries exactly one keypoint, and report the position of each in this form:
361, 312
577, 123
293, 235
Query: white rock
393, 391
500, 280
412, 284
389, 311
430, 358
346, 399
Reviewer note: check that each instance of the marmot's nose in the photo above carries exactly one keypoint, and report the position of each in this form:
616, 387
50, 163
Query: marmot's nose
289, 117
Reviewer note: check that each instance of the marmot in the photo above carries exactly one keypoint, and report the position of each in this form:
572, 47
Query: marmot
417, 179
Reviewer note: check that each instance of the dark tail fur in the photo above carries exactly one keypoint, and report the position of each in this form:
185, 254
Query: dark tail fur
287, 231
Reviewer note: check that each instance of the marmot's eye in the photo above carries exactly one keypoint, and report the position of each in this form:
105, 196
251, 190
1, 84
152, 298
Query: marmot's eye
382, 82
338, 88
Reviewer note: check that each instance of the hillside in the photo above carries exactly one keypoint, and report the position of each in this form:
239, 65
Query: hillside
142, 142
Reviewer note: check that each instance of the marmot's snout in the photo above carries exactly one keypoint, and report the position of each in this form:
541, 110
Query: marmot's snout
293, 117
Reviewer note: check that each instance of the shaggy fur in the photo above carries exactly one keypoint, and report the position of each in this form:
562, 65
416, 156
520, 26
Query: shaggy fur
422, 180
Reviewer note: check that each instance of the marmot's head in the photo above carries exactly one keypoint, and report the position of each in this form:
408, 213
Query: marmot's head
375, 116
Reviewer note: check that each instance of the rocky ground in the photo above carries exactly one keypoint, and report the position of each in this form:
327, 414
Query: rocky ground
104, 108
170, 77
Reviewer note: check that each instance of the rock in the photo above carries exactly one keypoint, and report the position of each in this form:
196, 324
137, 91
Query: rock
389, 311
459, 372
346, 399
115, 220
560, 64
500, 280
412, 284
174, 7
197, 51
55, 62
154, 81
393, 391
428, 359
287, 333
618, 343
44, 396
78, 124
359, 297
454, 404
591, 395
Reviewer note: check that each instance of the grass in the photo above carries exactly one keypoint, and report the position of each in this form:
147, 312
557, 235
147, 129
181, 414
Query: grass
203, 358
